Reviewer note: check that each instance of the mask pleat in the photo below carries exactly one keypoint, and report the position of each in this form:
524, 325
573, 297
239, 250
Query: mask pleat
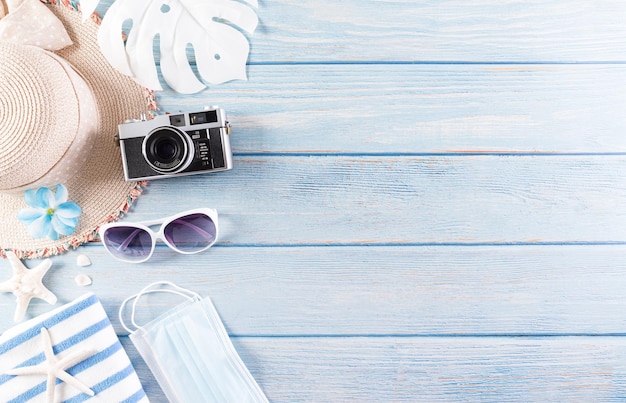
223, 380
192, 358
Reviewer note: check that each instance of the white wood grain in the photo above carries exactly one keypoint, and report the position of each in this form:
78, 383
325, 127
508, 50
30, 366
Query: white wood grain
429, 290
421, 109
408, 369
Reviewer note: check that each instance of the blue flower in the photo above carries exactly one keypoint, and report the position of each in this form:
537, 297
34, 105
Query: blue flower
49, 215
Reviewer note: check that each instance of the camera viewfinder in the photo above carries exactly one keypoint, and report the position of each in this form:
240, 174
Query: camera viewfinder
177, 120
200, 118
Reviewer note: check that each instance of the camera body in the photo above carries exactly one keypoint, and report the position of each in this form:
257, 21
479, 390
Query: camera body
176, 145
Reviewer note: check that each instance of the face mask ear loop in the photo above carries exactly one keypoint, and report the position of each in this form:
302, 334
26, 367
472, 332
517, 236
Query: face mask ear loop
120, 314
183, 292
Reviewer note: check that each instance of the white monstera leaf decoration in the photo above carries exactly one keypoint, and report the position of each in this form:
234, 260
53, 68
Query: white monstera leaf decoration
221, 50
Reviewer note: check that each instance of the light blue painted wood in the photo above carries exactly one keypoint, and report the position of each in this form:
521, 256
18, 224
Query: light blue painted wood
421, 109
407, 369
398, 30
483, 30
354, 265
405, 200
378, 291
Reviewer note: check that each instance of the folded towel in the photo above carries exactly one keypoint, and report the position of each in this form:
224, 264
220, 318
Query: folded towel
78, 335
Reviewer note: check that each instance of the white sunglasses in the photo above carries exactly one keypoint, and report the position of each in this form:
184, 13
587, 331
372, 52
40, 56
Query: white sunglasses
188, 232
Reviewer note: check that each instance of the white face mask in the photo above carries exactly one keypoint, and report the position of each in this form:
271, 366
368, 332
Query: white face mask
189, 352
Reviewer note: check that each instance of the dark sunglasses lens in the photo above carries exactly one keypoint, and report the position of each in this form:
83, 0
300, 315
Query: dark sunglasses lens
191, 233
128, 243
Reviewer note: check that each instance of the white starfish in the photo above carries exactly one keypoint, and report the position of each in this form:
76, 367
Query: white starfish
54, 368
27, 284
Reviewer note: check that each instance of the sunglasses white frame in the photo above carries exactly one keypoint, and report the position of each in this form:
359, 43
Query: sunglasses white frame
145, 225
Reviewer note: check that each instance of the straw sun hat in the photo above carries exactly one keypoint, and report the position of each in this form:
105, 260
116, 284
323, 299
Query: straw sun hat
59, 113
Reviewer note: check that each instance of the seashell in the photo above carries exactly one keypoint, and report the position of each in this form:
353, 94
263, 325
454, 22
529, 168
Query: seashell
83, 280
83, 260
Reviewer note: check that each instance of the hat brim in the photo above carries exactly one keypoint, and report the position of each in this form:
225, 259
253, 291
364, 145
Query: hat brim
99, 188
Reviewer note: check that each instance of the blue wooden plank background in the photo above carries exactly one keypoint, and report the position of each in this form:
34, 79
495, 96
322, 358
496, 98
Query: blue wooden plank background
427, 204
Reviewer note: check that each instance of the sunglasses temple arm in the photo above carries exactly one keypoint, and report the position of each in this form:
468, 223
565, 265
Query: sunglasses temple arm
197, 229
128, 240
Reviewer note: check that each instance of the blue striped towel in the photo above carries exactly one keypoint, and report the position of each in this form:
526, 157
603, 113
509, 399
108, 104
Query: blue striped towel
79, 325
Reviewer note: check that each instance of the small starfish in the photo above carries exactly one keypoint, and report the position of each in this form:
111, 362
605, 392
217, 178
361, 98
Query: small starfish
27, 284
55, 368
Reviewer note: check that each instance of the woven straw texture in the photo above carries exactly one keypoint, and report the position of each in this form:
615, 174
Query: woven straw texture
39, 114
99, 188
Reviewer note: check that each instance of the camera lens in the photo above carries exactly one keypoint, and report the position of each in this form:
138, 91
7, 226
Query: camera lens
167, 150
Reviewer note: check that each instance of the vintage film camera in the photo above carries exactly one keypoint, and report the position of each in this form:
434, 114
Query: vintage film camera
176, 145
